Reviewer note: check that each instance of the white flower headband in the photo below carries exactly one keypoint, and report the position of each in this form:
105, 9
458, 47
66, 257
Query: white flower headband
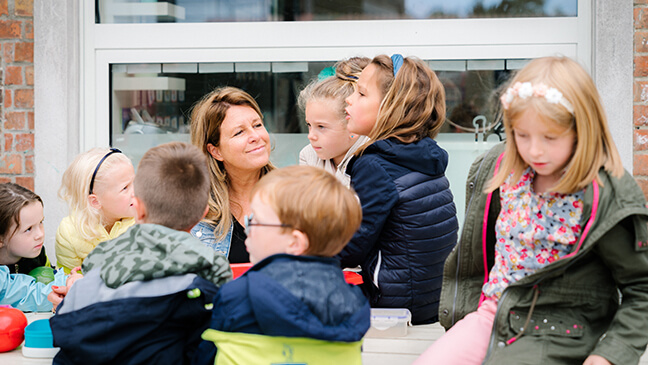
526, 89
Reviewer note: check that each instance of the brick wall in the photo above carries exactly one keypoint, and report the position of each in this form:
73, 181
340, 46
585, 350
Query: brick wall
641, 94
17, 92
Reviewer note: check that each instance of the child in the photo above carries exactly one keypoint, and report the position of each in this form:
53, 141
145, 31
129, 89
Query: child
98, 186
301, 217
553, 253
21, 250
409, 223
331, 144
143, 298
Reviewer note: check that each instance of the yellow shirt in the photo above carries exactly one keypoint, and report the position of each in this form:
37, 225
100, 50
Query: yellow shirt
72, 249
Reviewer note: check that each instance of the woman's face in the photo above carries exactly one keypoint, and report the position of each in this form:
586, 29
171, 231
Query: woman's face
364, 103
244, 142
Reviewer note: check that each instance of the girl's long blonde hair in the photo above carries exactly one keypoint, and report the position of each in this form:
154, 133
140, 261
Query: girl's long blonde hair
413, 106
75, 188
207, 116
594, 148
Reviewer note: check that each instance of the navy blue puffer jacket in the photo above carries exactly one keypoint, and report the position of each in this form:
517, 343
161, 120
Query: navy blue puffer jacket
409, 225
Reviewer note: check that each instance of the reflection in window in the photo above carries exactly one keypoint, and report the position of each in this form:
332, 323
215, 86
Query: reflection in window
192, 11
157, 98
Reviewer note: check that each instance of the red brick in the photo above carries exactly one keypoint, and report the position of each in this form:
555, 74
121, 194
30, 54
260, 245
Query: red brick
641, 41
15, 120
29, 75
13, 75
26, 182
641, 66
641, 140
640, 2
10, 29
24, 7
640, 18
8, 52
29, 29
4, 7
4, 180
640, 115
30, 120
10, 164
29, 164
24, 142
8, 142
7, 98
25, 98
24, 52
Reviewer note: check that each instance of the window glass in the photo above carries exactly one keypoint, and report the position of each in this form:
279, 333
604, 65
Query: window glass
151, 103
147, 11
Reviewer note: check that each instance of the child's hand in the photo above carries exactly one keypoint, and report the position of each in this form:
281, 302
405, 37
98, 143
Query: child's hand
74, 276
596, 360
56, 296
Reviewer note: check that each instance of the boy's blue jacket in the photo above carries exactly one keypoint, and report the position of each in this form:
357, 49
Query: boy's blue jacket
409, 225
291, 296
141, 302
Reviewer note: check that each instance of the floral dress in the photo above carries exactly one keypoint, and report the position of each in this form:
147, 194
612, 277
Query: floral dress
532, 231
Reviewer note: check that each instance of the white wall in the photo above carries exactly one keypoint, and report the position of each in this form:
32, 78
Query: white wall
613, 69
56, 102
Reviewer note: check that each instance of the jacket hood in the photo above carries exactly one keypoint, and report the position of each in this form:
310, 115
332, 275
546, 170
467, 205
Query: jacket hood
424, 156
309, 299
150, 251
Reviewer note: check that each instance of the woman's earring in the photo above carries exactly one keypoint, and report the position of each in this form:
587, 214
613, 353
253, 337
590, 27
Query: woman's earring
352, 136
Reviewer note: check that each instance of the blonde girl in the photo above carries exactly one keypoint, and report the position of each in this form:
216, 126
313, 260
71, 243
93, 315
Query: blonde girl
409, 223
331, 144
98, 187
552, 266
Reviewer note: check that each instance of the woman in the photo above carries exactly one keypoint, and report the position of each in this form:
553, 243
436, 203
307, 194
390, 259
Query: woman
227, 125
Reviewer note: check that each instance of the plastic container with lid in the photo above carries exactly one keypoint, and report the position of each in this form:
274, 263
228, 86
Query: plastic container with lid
389, 322
38, 340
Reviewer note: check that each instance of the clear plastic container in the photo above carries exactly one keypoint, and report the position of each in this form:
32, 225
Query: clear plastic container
389, 322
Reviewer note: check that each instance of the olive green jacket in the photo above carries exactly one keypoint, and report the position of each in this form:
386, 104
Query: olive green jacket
593, 301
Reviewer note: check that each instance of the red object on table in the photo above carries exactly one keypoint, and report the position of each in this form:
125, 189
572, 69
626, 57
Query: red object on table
12, 328
350, 276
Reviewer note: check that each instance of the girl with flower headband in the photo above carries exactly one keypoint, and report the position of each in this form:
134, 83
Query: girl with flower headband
552, 266
409, 222
98, 186
331, 144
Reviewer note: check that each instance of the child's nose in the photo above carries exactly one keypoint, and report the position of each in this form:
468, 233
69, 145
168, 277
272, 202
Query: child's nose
311, 135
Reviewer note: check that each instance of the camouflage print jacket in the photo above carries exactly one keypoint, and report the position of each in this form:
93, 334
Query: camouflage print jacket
150, 251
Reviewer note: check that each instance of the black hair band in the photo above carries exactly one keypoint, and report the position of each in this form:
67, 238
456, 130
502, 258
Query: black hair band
94, 174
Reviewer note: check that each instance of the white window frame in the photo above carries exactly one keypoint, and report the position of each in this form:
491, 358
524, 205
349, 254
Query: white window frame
438, 39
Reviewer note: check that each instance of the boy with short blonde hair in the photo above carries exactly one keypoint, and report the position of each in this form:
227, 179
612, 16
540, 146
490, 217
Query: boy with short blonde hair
301, 217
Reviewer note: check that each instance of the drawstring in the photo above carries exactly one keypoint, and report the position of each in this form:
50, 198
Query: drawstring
536, 292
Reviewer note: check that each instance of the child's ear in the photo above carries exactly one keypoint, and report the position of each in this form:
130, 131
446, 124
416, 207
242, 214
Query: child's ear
299, 243
140, 210
94, 202
214, 152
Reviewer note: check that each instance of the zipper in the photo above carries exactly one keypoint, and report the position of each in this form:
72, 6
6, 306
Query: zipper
377, 269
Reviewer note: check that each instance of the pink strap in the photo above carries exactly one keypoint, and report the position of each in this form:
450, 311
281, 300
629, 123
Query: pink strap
485, 228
